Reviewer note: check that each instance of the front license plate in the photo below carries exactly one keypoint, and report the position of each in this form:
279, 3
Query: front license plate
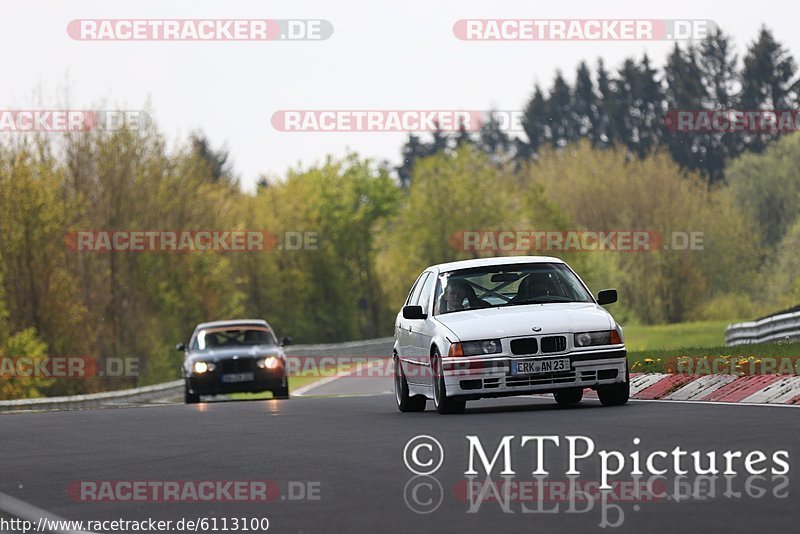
539, 366
238, 377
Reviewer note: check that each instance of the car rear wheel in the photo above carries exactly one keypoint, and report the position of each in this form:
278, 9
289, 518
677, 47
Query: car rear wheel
443, 403
405, 403
615, 394
189, 397
569, 397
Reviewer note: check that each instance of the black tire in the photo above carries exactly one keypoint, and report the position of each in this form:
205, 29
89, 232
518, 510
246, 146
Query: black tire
615, 394
281, 392
569, 397
188, 397
443, 403
405, 403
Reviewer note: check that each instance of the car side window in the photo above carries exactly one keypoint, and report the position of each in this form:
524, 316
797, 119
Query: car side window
425, 295
413, 297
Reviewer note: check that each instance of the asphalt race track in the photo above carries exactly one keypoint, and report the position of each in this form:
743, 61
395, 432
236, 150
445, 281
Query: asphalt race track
351, 450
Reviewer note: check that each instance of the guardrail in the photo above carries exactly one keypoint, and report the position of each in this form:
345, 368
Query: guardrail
175, 387
781, 327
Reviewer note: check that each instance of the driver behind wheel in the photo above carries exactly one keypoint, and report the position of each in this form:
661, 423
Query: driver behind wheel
460, 295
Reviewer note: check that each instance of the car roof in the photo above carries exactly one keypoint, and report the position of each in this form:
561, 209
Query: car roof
498, 260
233, 322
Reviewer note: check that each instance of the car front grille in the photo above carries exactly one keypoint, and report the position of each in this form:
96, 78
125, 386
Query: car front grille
239, 365
526, 345
554, 344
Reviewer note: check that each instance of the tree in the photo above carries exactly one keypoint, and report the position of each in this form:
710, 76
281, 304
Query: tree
413, 149
768, 83
219, 166
585, 105
637, 107
561, 120
603, 133
493, 141
684, 92
717, 63
535, 120
767, 186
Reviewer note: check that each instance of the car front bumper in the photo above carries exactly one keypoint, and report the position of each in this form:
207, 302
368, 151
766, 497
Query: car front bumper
491, 377
212, 384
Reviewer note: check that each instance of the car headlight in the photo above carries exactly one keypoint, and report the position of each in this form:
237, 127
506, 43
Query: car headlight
588, 339
203, 367
270, 362
475, 348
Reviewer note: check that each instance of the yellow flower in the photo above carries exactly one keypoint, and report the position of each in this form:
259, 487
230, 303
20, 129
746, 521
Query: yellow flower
648, 360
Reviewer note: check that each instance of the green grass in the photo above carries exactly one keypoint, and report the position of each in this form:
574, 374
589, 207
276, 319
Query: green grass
675, 336
658, 348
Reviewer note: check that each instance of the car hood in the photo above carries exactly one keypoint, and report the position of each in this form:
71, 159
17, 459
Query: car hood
227, 353
510, 321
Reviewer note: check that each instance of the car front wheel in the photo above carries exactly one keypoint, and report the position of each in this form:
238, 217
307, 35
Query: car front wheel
569, 397
405, 402
189, 397
615, 394
281, 392
443, 403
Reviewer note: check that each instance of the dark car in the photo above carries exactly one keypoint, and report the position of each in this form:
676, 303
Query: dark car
232, 357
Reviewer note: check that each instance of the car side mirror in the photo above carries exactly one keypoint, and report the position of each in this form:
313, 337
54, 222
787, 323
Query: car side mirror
607, 296
286, 341
181, 347
413, 312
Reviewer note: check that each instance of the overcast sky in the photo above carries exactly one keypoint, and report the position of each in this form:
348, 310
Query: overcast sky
382, 55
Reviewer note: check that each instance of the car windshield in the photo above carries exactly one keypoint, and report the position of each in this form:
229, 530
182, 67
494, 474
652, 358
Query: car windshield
237, 336
507, 285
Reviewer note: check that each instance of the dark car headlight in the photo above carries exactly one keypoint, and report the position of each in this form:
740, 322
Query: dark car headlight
475, 348
199, 368
606, 337
270, 363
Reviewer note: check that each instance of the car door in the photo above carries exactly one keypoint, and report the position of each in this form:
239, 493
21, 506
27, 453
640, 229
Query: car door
421, 332
405, 350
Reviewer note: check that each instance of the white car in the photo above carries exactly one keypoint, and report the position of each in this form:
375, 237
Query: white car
497, 327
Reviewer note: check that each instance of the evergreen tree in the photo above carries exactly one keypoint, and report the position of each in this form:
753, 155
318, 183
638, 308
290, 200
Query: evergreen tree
684, 92
768, 83
562, 124
585, 104
535, 121
602, 133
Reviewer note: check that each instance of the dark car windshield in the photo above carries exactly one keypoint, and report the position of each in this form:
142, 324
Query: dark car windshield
507, 285
237, 336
